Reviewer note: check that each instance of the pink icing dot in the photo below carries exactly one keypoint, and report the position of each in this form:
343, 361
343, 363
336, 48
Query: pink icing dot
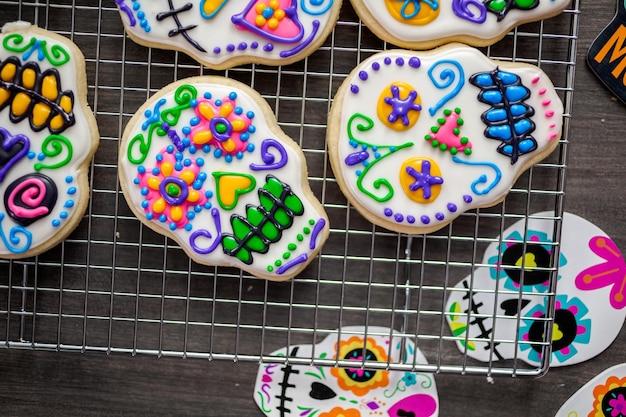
549, 113
546, 102
542, 91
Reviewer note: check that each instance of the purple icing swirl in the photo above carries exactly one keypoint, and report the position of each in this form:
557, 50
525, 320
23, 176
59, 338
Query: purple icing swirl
268, 158
462, 10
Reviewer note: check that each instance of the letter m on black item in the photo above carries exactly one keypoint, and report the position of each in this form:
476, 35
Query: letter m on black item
607, 55
617, 46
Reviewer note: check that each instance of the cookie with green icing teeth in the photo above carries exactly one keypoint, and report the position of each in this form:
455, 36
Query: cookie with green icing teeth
425, 24
222, 34
48, 135
204, 162
416, 139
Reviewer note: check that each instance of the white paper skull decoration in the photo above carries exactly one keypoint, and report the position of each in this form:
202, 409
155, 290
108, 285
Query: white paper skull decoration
604, 395
589, 303
284, 390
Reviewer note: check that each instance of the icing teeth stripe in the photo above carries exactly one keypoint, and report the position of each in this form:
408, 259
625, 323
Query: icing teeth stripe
204, 162
272, 32
415, 146
46, 142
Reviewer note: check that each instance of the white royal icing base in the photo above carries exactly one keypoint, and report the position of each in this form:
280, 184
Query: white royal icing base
458, 178
448, 25
293, 173
224, 43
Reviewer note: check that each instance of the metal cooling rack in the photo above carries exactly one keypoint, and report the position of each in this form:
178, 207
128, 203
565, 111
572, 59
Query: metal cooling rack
116, 286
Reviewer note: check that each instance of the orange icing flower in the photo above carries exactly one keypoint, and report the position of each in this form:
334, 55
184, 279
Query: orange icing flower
270, 14
610, 398
340, 412
361, 381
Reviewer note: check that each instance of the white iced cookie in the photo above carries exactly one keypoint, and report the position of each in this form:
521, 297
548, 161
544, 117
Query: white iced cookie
348, 391
204, 162
425, 24
590, 303
222, 34
416, 139
47, 135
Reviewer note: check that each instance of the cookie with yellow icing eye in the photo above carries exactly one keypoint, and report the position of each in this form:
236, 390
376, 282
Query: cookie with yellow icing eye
48, 135
425, 24
222, 34
204, 162
416, 139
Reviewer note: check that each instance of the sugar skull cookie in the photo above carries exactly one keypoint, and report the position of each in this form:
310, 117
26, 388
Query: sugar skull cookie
604, 395
343, 391
204, 162
590, 302
48, 135
416, 139
425, 24
222, 34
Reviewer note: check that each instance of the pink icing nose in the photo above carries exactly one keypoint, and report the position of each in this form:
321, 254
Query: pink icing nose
418, 405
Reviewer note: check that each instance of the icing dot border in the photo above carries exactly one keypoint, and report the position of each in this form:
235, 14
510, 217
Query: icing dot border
425, 220
363, 75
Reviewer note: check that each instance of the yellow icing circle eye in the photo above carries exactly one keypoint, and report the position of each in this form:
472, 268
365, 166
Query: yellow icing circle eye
399, 106
413, 12
421, 179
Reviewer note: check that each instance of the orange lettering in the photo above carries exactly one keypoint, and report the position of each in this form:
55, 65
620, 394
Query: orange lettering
617, 43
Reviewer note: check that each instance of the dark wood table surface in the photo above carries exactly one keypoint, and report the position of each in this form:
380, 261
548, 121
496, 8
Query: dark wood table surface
43, 383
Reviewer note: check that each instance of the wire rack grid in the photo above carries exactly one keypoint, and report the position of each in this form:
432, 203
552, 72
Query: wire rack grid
116, 286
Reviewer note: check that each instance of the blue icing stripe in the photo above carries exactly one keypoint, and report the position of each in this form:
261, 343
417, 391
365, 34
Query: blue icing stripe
496, 115
518, 109
522, 126
516, 93
492, 96
484, 80
502, 132
507, 78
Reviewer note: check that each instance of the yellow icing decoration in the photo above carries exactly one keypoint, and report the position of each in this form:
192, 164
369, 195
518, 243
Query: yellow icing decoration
154, 183
49, 88
259, 20
383, 110
193, 196
206, 111
272, 23
66, 103
557, 334
187, 176
407, 180
176, 213
229, 145
210, 7
404, 14
4, 95
167, 168
203, 137
8, 72
238, 125
29, 77
20, 104
41, 112
230, 185
159, 205
226, 109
